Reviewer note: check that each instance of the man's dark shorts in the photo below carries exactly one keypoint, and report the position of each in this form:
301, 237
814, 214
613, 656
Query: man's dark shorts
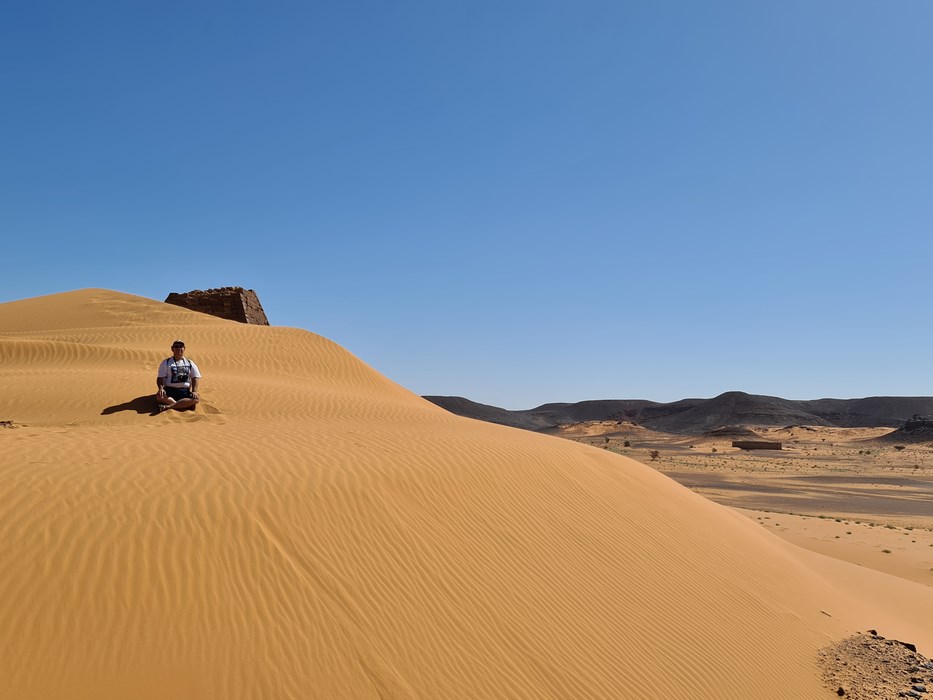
178, 392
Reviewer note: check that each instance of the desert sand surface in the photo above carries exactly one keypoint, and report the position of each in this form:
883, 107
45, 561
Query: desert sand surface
842, 492
314, 530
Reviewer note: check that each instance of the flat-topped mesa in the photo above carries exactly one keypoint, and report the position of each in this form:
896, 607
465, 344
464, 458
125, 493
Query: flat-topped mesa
231, 303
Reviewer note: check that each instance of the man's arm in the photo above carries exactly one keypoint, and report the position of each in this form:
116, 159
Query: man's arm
160, 382
195, 379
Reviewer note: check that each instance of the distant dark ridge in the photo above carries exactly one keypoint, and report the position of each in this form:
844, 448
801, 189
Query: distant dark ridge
491, 414
606, 409
735, 408
696, 416
732, 432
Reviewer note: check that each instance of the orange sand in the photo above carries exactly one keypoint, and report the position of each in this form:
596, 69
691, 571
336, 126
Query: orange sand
316, 531
903, 552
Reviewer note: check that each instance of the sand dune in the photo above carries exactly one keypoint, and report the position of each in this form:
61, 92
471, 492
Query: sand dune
316, 531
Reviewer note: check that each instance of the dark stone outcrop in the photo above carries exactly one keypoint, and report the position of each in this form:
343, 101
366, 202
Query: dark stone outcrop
231, 303
918, 422
917, 429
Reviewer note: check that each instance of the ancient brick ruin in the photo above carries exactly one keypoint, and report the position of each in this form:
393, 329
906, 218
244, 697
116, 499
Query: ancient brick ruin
232, 303
756, 445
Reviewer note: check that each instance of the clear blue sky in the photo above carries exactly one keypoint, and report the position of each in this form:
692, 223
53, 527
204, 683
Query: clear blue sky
516, 202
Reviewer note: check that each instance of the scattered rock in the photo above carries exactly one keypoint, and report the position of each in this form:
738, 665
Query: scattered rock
870, 667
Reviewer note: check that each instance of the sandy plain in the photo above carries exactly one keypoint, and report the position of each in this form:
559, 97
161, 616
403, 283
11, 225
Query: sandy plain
315, 530
842, 492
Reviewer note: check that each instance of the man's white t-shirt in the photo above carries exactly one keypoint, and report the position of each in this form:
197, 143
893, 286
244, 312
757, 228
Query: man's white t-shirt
179, 374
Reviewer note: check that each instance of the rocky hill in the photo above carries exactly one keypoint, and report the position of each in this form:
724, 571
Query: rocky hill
694, 416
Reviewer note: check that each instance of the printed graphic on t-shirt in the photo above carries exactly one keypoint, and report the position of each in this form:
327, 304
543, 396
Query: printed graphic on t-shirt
180, 373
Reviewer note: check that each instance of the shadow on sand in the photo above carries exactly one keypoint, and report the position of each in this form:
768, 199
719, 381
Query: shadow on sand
143, 405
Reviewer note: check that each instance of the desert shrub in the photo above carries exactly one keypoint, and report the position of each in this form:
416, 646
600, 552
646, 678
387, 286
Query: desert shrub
654, 454
626, 444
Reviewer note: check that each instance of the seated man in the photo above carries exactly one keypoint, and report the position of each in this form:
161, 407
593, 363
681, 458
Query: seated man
178, 381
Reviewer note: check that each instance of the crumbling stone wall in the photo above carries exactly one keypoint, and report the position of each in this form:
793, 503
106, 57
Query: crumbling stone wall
232, 303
